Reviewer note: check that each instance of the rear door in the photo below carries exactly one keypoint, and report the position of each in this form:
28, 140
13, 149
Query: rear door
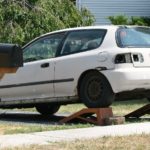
76, 56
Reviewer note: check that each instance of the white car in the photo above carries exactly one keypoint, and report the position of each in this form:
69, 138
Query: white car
93, 65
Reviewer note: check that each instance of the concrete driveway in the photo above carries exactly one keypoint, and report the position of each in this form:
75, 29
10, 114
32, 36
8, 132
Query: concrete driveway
73, 134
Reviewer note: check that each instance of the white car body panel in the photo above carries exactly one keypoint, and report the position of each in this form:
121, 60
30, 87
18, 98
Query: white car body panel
127, 79
73, 66
146, 55
31, 73
64, 72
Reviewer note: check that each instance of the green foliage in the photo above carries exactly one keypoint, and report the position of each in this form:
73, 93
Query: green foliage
118, 20
142, 21
23, 20
124, 20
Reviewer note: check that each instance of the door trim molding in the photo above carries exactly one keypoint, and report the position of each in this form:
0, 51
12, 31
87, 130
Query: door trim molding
37, 83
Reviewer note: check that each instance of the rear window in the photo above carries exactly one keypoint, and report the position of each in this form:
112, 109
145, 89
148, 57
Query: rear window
81, 41
133, 37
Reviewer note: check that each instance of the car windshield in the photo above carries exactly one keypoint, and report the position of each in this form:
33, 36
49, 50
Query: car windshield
133, 37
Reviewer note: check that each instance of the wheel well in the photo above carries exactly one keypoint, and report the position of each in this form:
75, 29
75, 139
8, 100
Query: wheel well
82, 76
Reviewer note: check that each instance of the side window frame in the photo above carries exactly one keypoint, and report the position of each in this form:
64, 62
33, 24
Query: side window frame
117, 36
59, 52
25, 48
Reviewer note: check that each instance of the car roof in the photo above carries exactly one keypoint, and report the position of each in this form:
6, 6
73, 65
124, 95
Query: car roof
106, 27
74, 29
84, 28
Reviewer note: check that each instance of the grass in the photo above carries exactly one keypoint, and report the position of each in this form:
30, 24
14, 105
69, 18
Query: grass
119, 108
14, 129
135, 142
125, 107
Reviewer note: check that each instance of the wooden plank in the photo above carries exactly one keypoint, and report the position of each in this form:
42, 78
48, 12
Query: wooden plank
139, 112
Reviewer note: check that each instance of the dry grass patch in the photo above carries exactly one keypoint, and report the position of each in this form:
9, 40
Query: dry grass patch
136, 142
113, 143
4, 127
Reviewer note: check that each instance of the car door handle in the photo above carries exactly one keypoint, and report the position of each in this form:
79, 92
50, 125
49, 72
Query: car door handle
45, 65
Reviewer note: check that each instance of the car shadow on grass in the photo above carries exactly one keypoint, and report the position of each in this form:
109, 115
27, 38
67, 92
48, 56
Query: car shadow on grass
29, 118
35, 118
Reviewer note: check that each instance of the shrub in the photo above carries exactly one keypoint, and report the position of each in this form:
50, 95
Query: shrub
124, 20
23, 20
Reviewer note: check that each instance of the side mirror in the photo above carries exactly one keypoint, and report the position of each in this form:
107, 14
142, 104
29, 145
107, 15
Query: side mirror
11, 56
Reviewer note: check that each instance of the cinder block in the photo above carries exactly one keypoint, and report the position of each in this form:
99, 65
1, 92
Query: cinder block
114, 120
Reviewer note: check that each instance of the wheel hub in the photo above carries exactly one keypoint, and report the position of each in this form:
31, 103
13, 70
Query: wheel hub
94, 90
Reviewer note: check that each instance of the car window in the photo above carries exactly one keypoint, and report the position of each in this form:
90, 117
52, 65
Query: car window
43, 48
134, 37
80, 41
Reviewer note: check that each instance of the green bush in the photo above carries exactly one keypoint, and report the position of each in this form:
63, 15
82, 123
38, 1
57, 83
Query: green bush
23, 20
118, 20
124, 20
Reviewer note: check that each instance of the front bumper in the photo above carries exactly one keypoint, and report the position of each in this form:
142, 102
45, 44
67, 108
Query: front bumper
128, 79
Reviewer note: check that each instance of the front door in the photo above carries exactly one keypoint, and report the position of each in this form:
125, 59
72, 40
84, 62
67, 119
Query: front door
35, 79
